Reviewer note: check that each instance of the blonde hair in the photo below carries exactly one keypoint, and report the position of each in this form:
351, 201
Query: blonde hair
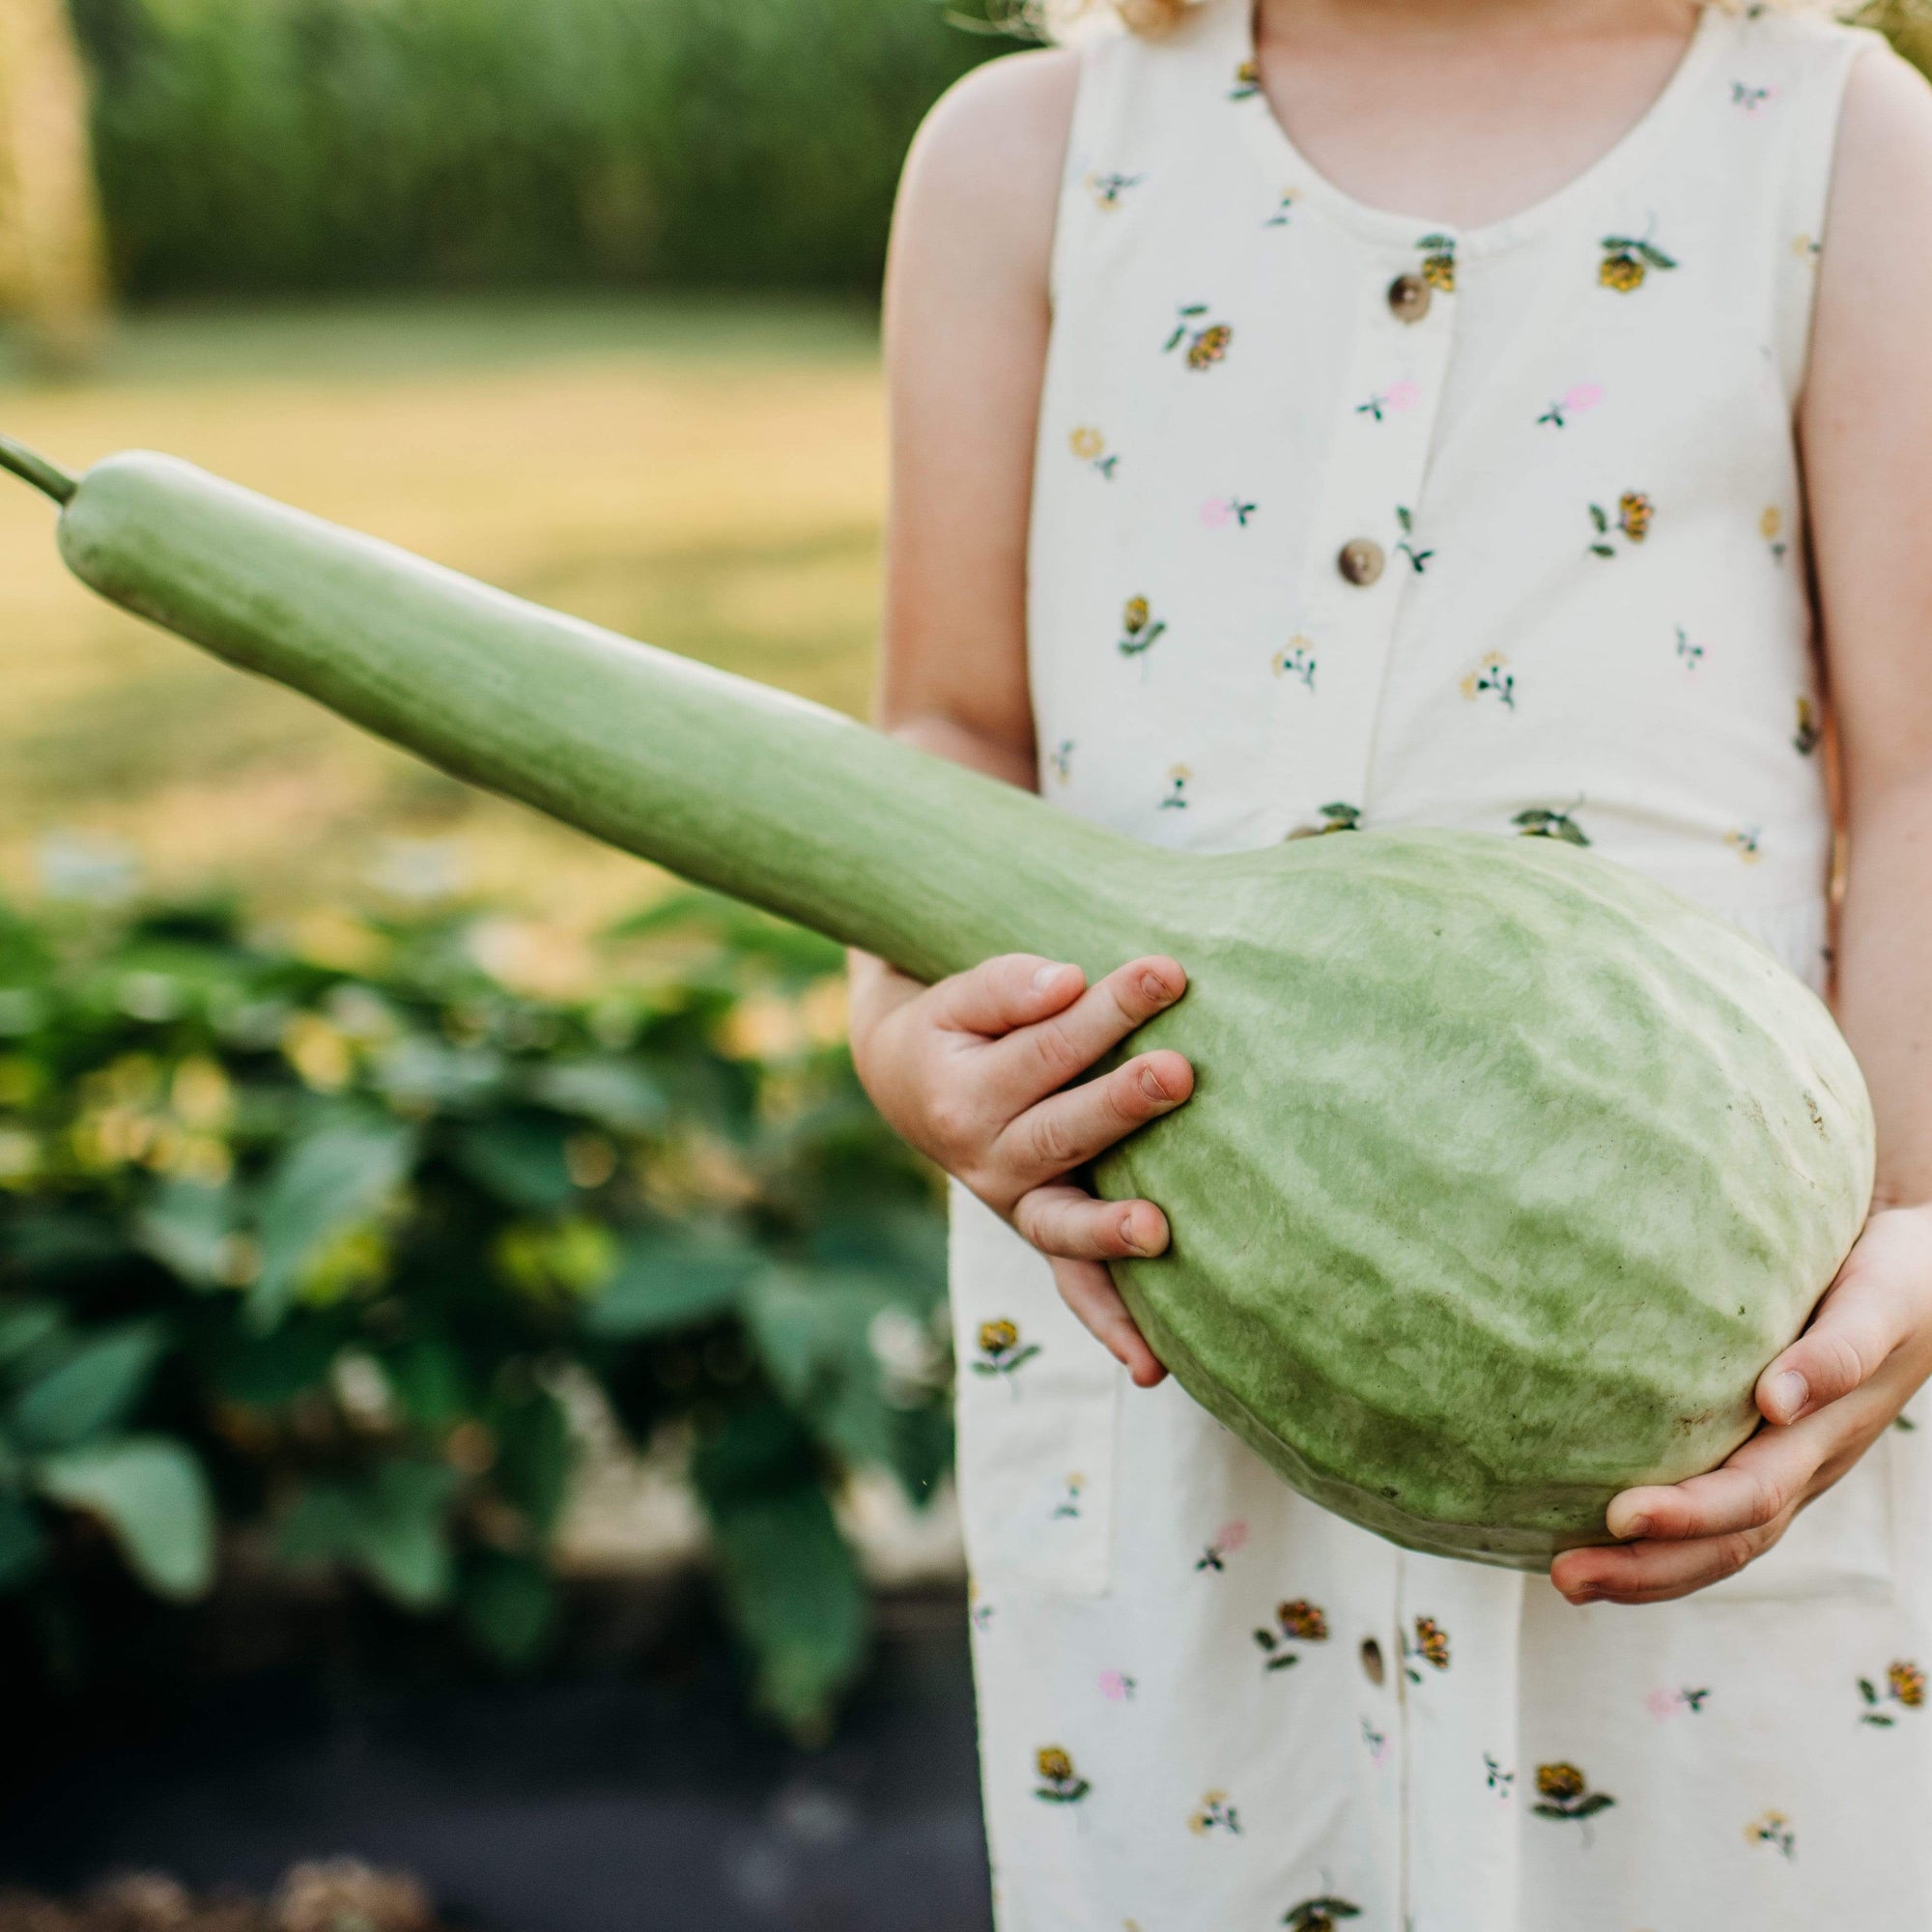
1058, 20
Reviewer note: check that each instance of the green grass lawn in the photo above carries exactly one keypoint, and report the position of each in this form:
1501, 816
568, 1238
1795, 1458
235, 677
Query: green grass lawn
708, 477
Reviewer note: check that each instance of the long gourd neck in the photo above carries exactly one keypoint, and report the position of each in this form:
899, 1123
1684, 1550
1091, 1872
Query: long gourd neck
776, 801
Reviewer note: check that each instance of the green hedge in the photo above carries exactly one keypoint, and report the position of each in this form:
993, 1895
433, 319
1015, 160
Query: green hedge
302, 1264
303, 145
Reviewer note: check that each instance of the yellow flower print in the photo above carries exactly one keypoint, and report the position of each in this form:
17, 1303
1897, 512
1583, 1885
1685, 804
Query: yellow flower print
1296, 659
1000, 1349
1627, 261
1140, 629
1319, 1914
1904, 1686
1773, 1828
1493, 675
1208, 342
1109, 189
1298, 1622
1090, 447
1745, 844
1632, 521
1059, 1782
1806, 247
1209, 346
1542, 822
1807, 738
1071, 1491
1336, 818
1174, 798
1438, 262
1432, 1647
1214, 1815
1284, 211
1562, 1791
1247, 81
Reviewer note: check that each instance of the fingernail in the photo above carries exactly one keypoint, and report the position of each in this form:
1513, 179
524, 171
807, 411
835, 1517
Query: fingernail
1586, 1593
1132, 1240
1789, 1392
1150, 1083
1637, 1525
1045, 975
1156, 988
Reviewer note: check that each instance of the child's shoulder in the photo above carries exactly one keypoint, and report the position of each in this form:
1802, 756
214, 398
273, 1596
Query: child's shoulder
982, 182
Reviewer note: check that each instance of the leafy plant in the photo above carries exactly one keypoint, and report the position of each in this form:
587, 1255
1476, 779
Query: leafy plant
254, 145
339, 1256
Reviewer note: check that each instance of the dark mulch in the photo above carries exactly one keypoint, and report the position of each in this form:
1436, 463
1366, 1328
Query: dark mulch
612, 1797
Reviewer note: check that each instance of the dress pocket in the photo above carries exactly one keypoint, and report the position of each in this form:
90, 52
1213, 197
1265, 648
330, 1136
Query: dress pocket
1037, 1402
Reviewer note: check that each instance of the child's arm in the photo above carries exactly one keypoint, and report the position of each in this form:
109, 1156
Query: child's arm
1866, 427
973, 1071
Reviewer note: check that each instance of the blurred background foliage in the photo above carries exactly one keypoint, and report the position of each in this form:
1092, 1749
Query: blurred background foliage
344, 1267
299, 145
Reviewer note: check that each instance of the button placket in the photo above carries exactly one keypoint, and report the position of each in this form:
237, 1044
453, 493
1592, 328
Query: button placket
1359, 563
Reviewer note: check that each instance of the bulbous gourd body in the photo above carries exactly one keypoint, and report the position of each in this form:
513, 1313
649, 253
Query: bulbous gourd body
1506, 1174
1506, 1171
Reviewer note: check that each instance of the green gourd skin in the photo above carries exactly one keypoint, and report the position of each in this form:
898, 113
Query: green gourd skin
1506, 1172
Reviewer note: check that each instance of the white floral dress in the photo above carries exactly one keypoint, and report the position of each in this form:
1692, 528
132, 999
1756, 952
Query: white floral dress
1347, 519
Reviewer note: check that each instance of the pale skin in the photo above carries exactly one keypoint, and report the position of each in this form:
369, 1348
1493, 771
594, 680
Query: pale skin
1464, 111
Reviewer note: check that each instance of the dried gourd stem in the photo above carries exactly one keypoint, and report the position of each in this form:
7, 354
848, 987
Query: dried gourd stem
36, 470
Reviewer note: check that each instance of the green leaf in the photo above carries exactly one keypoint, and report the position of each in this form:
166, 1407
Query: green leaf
332, 1178
535, 1455
1655, 255
1598, 1800
666, 1281
613, 1093
391, 1526
813, 1331
92, 1389
186, 1228
21, 1543
25, 1326
791, 1589
509, 1606
150, 1493
431, 1380
521, 1161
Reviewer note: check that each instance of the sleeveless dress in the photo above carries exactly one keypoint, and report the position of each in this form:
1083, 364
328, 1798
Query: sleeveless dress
1345, 518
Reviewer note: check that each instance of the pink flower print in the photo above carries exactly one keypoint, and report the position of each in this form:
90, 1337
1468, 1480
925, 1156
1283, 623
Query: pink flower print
1218, 512
1392, 401
1228, 1539
1577, 400
1661, 1704
1377, 1742
1117, 1687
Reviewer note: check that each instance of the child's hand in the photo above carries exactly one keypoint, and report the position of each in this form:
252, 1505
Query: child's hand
1826, 1400
974, 1072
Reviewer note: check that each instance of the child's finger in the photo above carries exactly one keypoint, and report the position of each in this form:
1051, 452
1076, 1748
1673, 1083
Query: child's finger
1014, 990
1770, 1475
1089, 1291
1870, 1311
1066, 1130
1655, 1572
1068, 1223
1038, 1060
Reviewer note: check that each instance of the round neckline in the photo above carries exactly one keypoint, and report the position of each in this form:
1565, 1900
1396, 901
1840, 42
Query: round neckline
1273, 145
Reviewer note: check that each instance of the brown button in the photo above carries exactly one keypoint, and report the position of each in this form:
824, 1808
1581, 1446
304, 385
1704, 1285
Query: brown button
1408, 298
1360, 561
1372, 1659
